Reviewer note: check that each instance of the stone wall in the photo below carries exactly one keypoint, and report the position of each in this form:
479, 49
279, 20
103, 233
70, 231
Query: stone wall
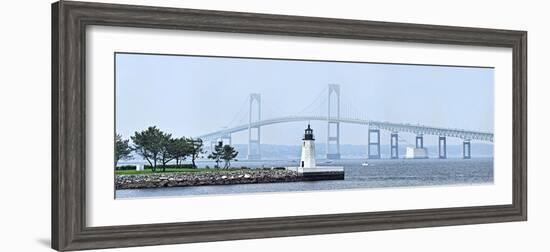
214, 177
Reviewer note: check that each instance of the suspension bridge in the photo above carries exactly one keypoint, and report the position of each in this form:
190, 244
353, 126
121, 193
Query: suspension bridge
333, 117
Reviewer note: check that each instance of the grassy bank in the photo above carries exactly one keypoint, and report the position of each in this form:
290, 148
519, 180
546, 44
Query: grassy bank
159, 170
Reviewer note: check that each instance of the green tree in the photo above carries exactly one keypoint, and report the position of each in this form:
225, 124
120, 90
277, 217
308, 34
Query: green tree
228, 153
179, 149
166, 150
149, 144
122, 148
217, 154
195, 149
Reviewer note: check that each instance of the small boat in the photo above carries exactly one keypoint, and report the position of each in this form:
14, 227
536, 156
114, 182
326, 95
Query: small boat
327, 162
364, 164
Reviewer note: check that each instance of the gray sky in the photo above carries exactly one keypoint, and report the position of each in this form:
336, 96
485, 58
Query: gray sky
190, 96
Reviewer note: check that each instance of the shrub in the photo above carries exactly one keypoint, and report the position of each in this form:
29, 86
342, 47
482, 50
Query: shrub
171, 166
125, 168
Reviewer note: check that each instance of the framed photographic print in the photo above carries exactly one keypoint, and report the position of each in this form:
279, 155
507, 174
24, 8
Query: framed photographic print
177, 125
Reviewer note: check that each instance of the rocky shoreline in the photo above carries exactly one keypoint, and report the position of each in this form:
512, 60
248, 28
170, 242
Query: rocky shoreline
214, 177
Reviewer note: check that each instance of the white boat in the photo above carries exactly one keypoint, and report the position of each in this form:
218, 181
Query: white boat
364, 164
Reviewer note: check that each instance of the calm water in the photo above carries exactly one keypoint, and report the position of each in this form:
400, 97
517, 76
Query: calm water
379, 174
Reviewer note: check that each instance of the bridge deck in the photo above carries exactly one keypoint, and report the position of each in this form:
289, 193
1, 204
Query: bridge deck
397, 127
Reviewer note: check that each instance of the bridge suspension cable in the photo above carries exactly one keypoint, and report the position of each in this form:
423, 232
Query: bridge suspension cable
312, 104
267, 110
351, 111
241, 115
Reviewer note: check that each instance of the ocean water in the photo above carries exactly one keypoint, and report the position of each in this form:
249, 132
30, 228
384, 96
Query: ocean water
378, 174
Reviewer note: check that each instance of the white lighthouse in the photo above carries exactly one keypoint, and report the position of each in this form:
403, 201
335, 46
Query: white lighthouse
308, 169
308, 149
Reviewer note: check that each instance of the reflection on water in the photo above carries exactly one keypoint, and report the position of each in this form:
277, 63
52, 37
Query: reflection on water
378, 174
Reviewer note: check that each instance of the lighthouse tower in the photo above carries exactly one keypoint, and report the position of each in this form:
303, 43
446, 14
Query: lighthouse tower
308, 149
308, 170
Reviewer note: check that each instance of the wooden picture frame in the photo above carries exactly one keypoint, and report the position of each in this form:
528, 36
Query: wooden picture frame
69, 20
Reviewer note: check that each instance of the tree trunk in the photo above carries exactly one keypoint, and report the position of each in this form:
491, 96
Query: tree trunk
148, 161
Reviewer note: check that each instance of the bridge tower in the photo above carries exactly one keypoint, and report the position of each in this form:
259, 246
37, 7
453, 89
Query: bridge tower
333, 126
394, 145
442, 147
466, 149
373, 145
254, 115
225, 139
419, 141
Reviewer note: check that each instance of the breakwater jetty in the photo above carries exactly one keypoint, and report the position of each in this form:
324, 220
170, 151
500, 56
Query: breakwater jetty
214, 177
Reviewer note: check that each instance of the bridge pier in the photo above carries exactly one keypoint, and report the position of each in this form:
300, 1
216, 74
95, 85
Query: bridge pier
333, 125
466, 149
419, 141
375, 144
224, 138
442, 147
254, 149
394, 146
333, 141
212, 145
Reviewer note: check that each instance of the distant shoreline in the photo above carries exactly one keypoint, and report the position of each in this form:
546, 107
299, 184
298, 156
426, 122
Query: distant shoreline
296, 160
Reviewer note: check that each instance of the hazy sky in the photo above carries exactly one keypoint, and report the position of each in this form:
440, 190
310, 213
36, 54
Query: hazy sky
191, 96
